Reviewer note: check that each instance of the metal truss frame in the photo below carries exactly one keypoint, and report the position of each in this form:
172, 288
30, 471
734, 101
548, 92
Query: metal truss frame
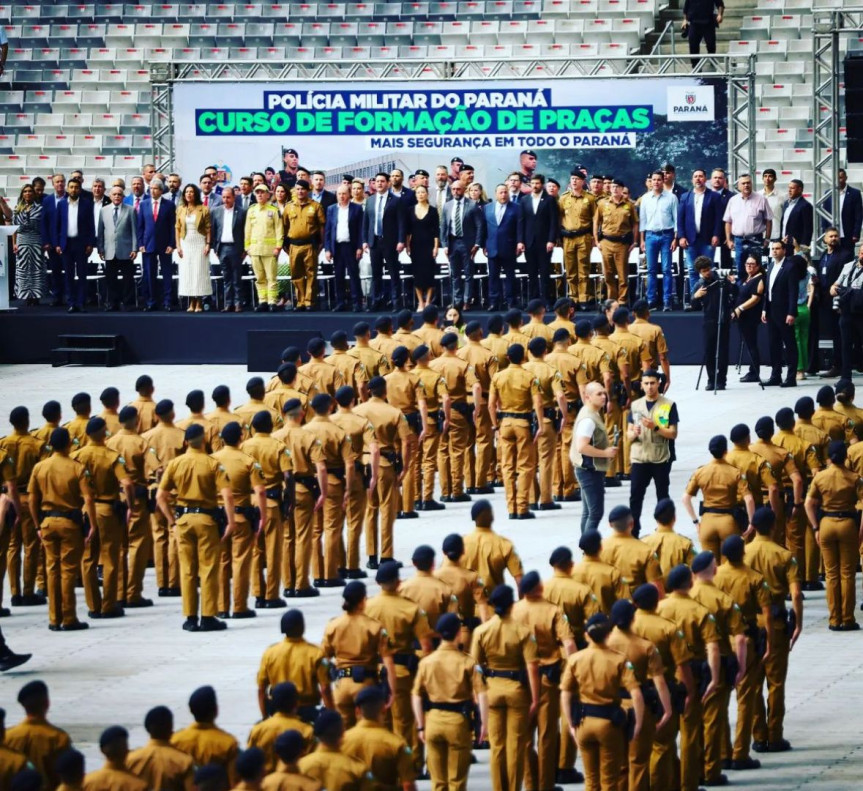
739, 71
827, 27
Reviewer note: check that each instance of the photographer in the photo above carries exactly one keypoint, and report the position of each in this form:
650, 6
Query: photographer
848, 290
826, 315
714, 295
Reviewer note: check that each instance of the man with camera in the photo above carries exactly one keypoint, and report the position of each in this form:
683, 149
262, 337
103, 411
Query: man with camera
714, 295
848, 291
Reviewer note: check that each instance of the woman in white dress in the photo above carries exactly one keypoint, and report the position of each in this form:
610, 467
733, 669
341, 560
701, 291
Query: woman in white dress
193, 248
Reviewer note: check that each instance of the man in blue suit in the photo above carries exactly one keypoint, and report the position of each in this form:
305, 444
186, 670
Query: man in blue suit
699, 224
156, 239
343, 244
384, 238
538, 220
498, 239
76, 238
49, 238
795, 219
850, 213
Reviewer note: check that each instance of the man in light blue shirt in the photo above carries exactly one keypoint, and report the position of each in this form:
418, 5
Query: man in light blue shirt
658, 224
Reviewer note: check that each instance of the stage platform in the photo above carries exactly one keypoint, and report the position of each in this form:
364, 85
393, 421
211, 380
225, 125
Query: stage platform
28, 335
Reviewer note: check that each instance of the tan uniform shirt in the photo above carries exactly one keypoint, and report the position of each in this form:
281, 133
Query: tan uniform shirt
837, 489
596, 675
775, 563
352, 370
335, 770
654, 340
298, 661
133, 448
211, 430
112, 778
404, 623
41, 743
671, 548
483, 364
374, 363
265, 733
385, 755
289, 778
247, 411
197, 477
447, 676
402, 390
573, 373
574, 599
465, 585
24, 451
693, 619
497, 345
489, 554
503, 644
208, 744
355, 640
431, 594
390, 428
60, 483
327, 377
243, 472
616, 219
272, 457
577, 211
833, 423
220, 417
106, 469
780, 460
304, 449
165, 442
162, 766
550, 381
537, 329
721, 484
430, 336
643, 655
147, 417
634, 560
548, 625
596, 361
304, 221
668, 639
726, 612
515, 387
603, 579
746, 587
757, 471
562, 324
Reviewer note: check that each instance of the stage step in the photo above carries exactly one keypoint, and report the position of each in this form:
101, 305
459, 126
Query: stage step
103, 350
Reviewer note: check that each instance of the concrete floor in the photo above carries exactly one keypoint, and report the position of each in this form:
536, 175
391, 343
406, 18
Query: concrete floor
113, 673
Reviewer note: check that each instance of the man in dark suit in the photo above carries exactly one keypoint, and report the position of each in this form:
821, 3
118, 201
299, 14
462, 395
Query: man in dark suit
699, 224
719, 185
156, 240
498, 239
398, 188
49, 238
822, 314
85, 194
318, 193
459, 232
850, 213
384, 238
209, 196
76, 238
227, 234
779, 314
796, 217
441, 193
343, 244
537, 231
118, 245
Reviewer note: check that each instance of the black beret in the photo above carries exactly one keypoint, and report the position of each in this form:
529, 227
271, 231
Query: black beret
347, 176
739, 433
31, 691
494, 324
512, 315
619, 512
316, 346
250, 763
620, 316
502, 597
26, 780
618, 183
718, 446
448, 626
561, 335
202, 697
128, 413
472, 326
321, 401
597, 619
344, 395
600, 322
164, 406
388, 571
577, 171
733, 547
562, 556
479, 507
805, 407
291, 405
19, 414
383, 323
537, 346
825, 396
639, 306
232, 433
837, 451
112, 734
702, 561
354, 592
300, 183
289, 745
590, 542
583, 328
419, 352
453, 544
376, 382
59, 439
361, 328
195, 431
254, 383
263, 422
95, 425
764, 427
421, 172
529, 582
678, 577
327, 722
423, 554
84, 398
284, 695
400, 356
368, 695
622, 612
339, 336
449, 339
763, 516
563, 303
292, 621
844, 386
143, 382
403, 318
109, 394
785, 418
535, 306
646, 596
220, 392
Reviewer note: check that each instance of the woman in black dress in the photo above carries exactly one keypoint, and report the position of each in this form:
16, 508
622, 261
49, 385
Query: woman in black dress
422, 246
747, 313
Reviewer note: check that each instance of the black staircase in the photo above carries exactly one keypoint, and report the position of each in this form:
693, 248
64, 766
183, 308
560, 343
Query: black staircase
88, 350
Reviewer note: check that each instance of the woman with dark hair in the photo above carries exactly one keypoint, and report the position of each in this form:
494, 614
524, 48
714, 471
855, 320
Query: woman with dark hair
747, 314
422, 246
27, 246
454, 322
193, 249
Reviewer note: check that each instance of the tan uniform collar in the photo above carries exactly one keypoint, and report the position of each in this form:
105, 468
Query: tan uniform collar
664, 529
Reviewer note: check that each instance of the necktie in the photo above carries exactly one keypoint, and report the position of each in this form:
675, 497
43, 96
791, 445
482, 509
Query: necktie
500, 210
206, 200
137, 202
457, 221
379, 217
116, 216
155, 210
441, 200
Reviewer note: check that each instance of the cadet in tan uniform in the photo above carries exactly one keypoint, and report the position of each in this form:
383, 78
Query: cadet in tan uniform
245, 412
634, 560
251, 516
281, 717
514, 404
195, 402
288, 389
110, 398
165, 443
497, 344
337, 457
637, 359
506, 653
591, 700
752, 595
671, 548
615, 233
554, 639
375, 363
383, 341
722, 487
779, 569
115, 775
484, 366
138, 537
465, 584
603, 579
352, 370
388, 452
442, 698
289, 747
60, 494
654, 340
11, 761
77, 426
109, 478
835, 424
403, 391
326, 376
553, 407
699, 629
356, 427
23, 451
356, 644
299, 661
757, 471
536, 326
837, 493
222, 414
158, 763
304, 383
203, 739
514, 334
564, 310
328, 764
429, 333
577, 210
430, 396
431, 594
144, 403
198, 520
264, 237
276, 464
596, 361
487, 553
618, 395
404, 335
649, 670
52, 414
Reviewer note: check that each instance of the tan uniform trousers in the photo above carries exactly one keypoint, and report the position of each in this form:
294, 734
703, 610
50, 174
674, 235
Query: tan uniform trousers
796, 529
541, 760
452, 453
112, 535
64, 545
517, 462
508, 705
714, 529
266, 551
664, 766
813, 564
566, 747
470, 457
400, 716
265, 268
409, 484
235, 566
299, 542
344, 694
715, 709
354, 516
613, 419
327, 537
90, 574
485, 456
565, 483
383, 501
140, 549
840, 549
448, 745
691, 747
747, 693
31, 572
602, 748
767, 726
304, 273
199, 550
428, 459
639, 752
576, 262
615, 268
164, 551
544, 464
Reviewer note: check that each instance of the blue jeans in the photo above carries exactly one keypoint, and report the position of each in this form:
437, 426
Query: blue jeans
657, 247
695, 250
592, 483
742, 248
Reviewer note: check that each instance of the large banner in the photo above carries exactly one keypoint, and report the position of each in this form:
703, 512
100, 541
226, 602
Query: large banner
623, 127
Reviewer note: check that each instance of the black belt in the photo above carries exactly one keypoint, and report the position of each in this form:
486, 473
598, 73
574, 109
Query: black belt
105, 501
274, 494
512, 675
706, 510
349, 672
841, 514
339, 472
214, 513
303, 240
549, 412
609, 712
620, 239
308, 481
458, 708
248, 511
75, 516
516, 415
749, 237
574, 234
